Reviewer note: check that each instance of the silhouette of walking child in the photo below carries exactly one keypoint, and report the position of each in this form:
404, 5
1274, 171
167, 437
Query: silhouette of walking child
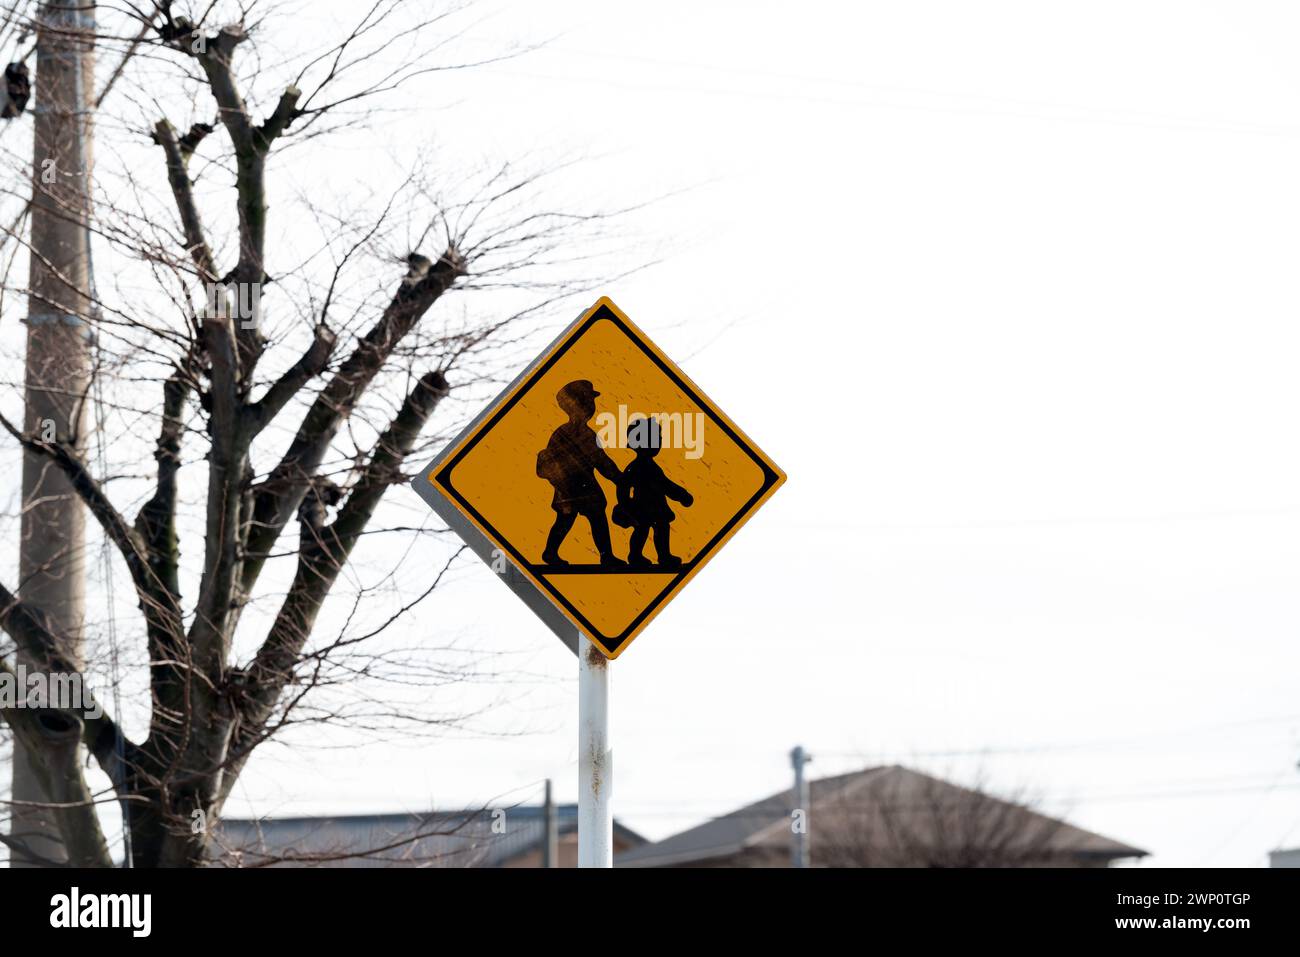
569, 462
643, 497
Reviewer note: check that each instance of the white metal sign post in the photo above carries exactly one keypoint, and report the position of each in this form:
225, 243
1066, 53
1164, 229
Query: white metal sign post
595, 759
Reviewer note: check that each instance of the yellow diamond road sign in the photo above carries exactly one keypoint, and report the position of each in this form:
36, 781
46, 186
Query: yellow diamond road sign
599, 482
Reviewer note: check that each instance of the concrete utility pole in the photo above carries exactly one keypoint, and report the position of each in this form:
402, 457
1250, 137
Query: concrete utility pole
52, 552
799, 850
551, 832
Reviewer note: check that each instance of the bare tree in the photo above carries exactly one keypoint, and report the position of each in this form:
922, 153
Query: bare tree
273, 443
896, 817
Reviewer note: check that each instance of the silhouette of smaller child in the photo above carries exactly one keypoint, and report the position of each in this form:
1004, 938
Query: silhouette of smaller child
643, 497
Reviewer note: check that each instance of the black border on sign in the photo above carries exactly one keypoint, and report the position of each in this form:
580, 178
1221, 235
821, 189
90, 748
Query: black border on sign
610, 643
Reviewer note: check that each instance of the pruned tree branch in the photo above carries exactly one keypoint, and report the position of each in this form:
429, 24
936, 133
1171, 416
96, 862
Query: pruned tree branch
160, 604
227, 463
311, 364
33, 635
282, 491
178, 152
323, 550
252, 142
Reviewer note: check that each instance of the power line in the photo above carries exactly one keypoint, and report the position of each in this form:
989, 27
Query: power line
1056, 748
993, 105
1080, 520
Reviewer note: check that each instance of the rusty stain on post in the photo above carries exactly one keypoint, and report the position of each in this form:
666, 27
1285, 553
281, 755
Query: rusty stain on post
597, 759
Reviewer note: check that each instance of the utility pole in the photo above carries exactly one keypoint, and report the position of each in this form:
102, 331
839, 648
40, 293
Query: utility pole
799, 850
52, 550
551, 834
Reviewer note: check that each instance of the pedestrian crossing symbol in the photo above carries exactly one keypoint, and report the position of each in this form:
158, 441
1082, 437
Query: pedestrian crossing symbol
603, 477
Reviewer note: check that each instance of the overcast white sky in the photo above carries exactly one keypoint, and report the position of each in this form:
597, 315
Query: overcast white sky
1008, 290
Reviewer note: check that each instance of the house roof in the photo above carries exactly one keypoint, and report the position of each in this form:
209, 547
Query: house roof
476, 837
876, 800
